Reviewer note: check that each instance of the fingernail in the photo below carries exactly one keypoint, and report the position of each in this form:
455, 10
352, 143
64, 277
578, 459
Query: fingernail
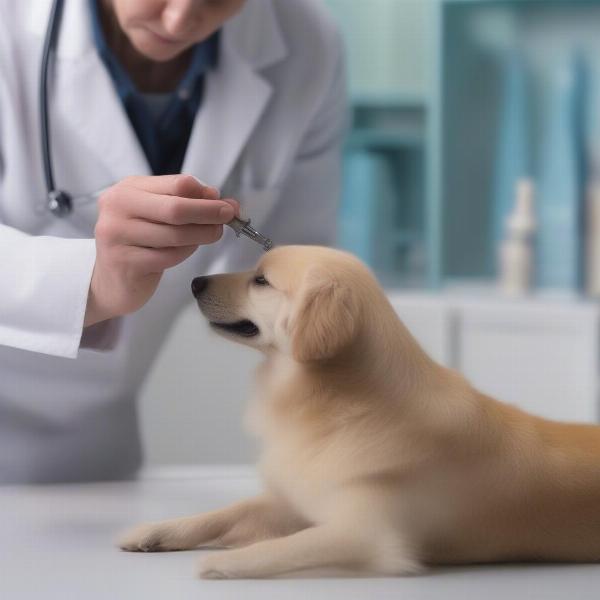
226, 213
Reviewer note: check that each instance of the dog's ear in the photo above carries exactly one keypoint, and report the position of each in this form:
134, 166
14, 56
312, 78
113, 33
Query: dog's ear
324, 319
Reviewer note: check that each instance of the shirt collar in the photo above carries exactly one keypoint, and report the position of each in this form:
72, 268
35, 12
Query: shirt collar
204, 58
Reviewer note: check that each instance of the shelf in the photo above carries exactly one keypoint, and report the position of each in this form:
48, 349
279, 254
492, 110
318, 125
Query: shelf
429, 162
486, 293
384, 140
486, 289
473, 157
388, 101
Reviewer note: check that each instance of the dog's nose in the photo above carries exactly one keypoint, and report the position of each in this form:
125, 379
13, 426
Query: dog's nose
199, 285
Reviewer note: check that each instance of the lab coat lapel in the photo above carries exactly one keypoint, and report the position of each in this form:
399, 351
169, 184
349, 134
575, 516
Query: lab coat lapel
234, 99
235, 94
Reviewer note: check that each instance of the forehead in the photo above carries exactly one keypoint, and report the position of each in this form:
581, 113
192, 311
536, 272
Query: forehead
292, 258
282, 263
286, 265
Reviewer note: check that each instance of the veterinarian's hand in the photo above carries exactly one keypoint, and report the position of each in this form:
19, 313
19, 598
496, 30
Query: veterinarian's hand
146, 225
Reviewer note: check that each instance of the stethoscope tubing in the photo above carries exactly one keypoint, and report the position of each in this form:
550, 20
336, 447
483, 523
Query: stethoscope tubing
47, 52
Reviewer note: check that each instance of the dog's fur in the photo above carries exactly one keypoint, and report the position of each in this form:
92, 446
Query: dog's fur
375, 457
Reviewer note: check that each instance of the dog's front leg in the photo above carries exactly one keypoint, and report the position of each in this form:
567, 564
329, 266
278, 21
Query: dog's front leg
322, 546
240, 524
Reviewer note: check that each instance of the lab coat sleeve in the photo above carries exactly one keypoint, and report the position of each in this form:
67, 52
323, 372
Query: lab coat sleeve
44, 283
307, 210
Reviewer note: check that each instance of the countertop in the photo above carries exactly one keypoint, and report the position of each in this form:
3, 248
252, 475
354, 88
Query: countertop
56, 541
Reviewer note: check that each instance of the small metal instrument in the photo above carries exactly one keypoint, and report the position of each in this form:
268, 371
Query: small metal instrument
241, 226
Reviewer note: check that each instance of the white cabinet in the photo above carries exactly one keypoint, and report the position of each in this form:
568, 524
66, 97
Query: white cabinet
539, 354
429, 319
542, 358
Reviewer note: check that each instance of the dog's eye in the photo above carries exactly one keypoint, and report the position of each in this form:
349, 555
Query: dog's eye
260, 280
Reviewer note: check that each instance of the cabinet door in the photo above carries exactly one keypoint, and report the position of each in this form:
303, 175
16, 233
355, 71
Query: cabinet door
540, 357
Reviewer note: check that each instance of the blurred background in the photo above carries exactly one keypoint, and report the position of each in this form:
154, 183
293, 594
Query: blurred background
471, 186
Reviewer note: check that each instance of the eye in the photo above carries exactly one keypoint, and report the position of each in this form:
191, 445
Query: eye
260, 280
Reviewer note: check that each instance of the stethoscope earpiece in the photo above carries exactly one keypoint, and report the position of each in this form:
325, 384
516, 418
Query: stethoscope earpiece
59, 203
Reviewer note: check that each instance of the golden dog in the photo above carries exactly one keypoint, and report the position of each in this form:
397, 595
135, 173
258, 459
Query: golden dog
375, 458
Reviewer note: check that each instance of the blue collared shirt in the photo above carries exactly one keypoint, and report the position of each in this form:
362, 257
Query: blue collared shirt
163, 123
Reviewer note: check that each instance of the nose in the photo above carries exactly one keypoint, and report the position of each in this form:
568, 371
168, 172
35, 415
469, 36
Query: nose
199, 285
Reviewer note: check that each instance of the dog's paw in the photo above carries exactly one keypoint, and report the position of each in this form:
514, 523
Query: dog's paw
151, 537
399, 566
394, 557
214, 566
406, 568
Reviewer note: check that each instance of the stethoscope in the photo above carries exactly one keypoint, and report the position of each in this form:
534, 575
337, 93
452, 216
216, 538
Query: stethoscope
59, 202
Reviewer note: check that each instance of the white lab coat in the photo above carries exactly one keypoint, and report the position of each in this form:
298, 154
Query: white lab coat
268, 133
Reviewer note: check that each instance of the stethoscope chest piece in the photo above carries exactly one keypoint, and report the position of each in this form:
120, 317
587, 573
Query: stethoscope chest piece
59, 203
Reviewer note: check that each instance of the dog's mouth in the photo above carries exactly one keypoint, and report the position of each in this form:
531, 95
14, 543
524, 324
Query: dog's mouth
244, 328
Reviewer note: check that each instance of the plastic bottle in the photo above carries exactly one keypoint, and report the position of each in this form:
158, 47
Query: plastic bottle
516, 250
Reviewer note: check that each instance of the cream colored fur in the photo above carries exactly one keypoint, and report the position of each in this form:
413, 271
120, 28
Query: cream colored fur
375, 458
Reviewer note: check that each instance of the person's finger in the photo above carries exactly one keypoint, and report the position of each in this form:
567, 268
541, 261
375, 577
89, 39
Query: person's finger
137, 232
175, 210
186, 186
234, 203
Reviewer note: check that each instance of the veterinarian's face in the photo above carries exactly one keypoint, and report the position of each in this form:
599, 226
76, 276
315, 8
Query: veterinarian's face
162, 29
300, 300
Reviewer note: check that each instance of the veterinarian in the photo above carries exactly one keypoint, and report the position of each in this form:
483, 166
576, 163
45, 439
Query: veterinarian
245, 95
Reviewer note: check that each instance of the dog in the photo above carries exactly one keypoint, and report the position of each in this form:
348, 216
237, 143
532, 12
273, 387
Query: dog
375, 458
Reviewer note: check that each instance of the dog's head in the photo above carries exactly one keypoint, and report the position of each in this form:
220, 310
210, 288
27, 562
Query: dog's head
305, 301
